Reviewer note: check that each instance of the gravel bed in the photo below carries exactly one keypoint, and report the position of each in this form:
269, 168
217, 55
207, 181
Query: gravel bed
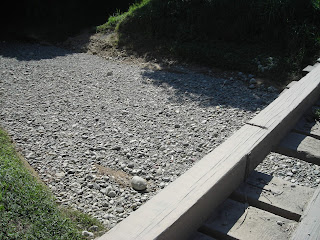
88, 125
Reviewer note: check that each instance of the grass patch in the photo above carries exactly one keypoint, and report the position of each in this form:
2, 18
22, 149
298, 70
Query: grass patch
274, 38
27, 208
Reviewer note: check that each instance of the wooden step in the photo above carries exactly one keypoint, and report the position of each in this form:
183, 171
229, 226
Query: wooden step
274, 195
309, 227
300, 146
180, 208
307, 125
309, 68
235, 220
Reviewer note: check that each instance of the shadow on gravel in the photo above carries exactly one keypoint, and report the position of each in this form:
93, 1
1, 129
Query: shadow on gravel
23, 51
210, 91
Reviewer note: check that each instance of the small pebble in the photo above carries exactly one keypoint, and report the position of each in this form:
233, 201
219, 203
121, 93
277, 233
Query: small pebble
87, 234
138, 183
112, 194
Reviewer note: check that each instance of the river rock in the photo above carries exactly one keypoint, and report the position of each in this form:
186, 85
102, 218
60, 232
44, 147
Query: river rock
138, 183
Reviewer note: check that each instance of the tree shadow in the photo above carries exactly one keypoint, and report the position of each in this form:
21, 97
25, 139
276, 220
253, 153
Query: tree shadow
208, 91
31, 51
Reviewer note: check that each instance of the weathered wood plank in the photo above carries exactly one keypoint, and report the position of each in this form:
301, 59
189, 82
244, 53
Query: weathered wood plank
288, 86
291, 84
308, 126
295, 100
234, 220
309, 227
179, 209
300, 146
310, 68
274, 195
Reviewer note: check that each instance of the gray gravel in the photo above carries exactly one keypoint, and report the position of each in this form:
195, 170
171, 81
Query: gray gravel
88, 125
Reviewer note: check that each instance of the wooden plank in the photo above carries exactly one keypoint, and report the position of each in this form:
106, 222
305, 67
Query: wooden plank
308, 126
291, 84
308, 68
300, 146
179, 209
309, 227
295, 101
274, 195
234, 220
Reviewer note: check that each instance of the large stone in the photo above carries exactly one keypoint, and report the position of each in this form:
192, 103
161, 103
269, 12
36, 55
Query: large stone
138, 183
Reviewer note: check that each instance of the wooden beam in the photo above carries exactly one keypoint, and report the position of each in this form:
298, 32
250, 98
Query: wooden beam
180, 208
291, 84
308, 126
234, 220
309, 227
310, 68
300, 146
274, 195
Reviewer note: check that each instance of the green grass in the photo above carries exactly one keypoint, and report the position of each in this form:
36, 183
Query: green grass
115, 20
27, 208
273, 38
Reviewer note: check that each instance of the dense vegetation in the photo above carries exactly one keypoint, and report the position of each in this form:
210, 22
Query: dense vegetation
273, 38
27, 208
56, 19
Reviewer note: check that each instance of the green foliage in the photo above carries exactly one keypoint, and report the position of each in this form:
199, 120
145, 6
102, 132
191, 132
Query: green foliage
286, 31
27, 208
316, 112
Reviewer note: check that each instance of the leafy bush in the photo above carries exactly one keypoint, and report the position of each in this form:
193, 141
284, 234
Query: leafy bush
287, 31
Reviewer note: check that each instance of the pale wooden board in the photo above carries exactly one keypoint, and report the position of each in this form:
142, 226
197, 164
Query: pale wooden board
308, 126
295, 101
200, 236
179, 209
244, 222
300, 146
308, 68
309, 227
274, 195
291, 84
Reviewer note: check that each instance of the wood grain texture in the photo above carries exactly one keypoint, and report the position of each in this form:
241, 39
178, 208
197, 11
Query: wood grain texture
180, 208
309, 227
290, 106
300, 146
234, 220
274, 195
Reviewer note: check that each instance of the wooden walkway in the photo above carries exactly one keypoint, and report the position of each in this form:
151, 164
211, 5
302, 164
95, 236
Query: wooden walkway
258, 206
